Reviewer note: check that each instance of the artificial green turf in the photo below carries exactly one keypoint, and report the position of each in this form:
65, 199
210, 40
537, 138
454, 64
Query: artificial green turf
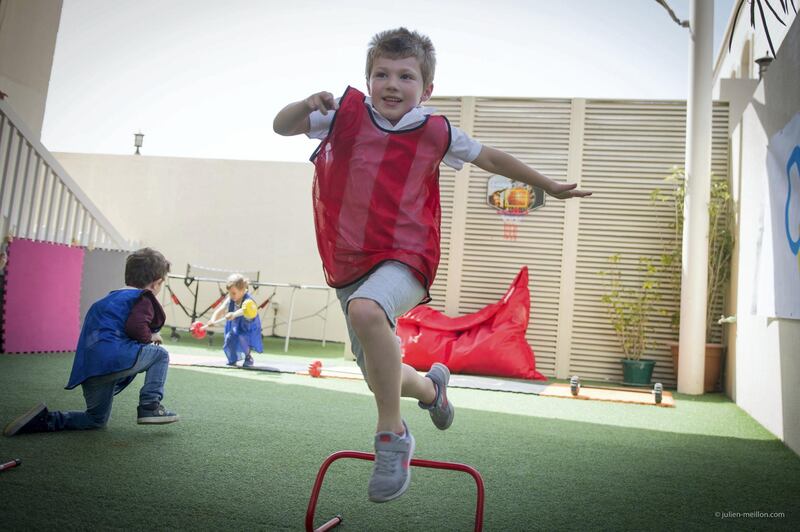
247, 448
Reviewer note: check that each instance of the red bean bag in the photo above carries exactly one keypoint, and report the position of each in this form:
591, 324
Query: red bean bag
488, 342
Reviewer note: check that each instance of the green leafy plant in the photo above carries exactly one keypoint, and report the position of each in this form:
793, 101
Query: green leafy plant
631, 305
720, 241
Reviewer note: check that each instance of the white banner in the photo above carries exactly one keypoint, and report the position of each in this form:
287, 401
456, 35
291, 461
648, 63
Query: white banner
779, 260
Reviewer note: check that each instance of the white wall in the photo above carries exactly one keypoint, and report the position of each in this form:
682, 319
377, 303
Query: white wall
246, 215
477, 261
767, 372
28, 31
748, 45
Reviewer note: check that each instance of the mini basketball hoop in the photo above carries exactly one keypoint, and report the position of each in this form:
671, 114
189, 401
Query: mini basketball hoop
512, 200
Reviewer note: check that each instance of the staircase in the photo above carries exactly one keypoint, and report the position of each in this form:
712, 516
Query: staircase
38, 198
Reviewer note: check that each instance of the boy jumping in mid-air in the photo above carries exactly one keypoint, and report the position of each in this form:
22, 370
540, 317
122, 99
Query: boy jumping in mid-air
119, 340
377, 217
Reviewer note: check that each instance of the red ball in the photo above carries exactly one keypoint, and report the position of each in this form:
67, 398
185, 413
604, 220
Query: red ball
197, 330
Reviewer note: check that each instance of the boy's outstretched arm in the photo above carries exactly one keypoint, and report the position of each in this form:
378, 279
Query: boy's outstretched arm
499, 162
293, 119
221, 308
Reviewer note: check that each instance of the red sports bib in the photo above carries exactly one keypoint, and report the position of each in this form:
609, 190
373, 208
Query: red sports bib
376, 194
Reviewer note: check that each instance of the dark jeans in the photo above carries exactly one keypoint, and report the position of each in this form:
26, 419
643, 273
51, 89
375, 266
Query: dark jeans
99, 391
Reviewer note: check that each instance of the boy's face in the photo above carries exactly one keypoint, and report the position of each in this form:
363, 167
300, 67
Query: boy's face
236, 293
396, 87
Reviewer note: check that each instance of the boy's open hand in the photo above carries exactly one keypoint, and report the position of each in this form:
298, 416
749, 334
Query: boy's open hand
322, 102
567, 191
156, 339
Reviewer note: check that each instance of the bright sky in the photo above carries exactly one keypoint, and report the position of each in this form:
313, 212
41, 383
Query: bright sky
204, 78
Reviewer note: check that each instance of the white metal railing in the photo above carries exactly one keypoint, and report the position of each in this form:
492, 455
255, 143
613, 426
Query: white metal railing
39, 200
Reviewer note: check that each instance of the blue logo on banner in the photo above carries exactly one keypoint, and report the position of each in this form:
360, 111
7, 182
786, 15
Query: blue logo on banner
794, 160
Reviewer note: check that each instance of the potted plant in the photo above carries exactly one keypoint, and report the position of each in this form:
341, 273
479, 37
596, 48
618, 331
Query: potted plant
630, 306
720, 249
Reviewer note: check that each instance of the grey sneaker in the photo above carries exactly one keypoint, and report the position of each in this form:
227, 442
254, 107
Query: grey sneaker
248, 362
34, 420
441, 409
391, 474
154, 414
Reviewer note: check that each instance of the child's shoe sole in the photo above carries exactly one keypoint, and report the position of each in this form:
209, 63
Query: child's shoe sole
157, 420
14, 427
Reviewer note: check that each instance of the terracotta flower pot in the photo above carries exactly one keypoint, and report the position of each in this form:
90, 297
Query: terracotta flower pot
714, 354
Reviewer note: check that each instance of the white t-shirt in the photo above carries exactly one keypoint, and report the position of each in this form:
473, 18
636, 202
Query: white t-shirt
463, 148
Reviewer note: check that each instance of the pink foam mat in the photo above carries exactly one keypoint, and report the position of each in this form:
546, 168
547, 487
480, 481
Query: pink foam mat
42, 297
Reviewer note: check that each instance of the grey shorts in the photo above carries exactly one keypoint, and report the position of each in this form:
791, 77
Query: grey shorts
393, 287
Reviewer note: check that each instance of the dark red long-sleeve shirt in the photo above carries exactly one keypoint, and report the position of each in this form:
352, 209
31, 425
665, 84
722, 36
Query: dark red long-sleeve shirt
146, 317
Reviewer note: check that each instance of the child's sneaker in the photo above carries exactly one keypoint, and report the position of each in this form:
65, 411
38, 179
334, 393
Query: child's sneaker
441, 409
248, 362
155, 414
392, 473
34, 420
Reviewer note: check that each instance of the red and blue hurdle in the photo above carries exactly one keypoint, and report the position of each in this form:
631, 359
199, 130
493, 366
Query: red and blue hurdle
415, 462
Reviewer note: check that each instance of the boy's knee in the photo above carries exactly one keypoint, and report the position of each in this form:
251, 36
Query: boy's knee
98, 421
162, 353
365, 314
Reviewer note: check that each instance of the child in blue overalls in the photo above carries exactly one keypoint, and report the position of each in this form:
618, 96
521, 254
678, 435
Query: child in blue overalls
242, 335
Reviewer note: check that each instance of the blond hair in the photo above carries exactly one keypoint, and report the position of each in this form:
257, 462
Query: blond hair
238, 280
399, 44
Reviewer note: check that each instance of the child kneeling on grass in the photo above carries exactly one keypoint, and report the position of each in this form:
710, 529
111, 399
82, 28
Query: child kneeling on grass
119, 340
